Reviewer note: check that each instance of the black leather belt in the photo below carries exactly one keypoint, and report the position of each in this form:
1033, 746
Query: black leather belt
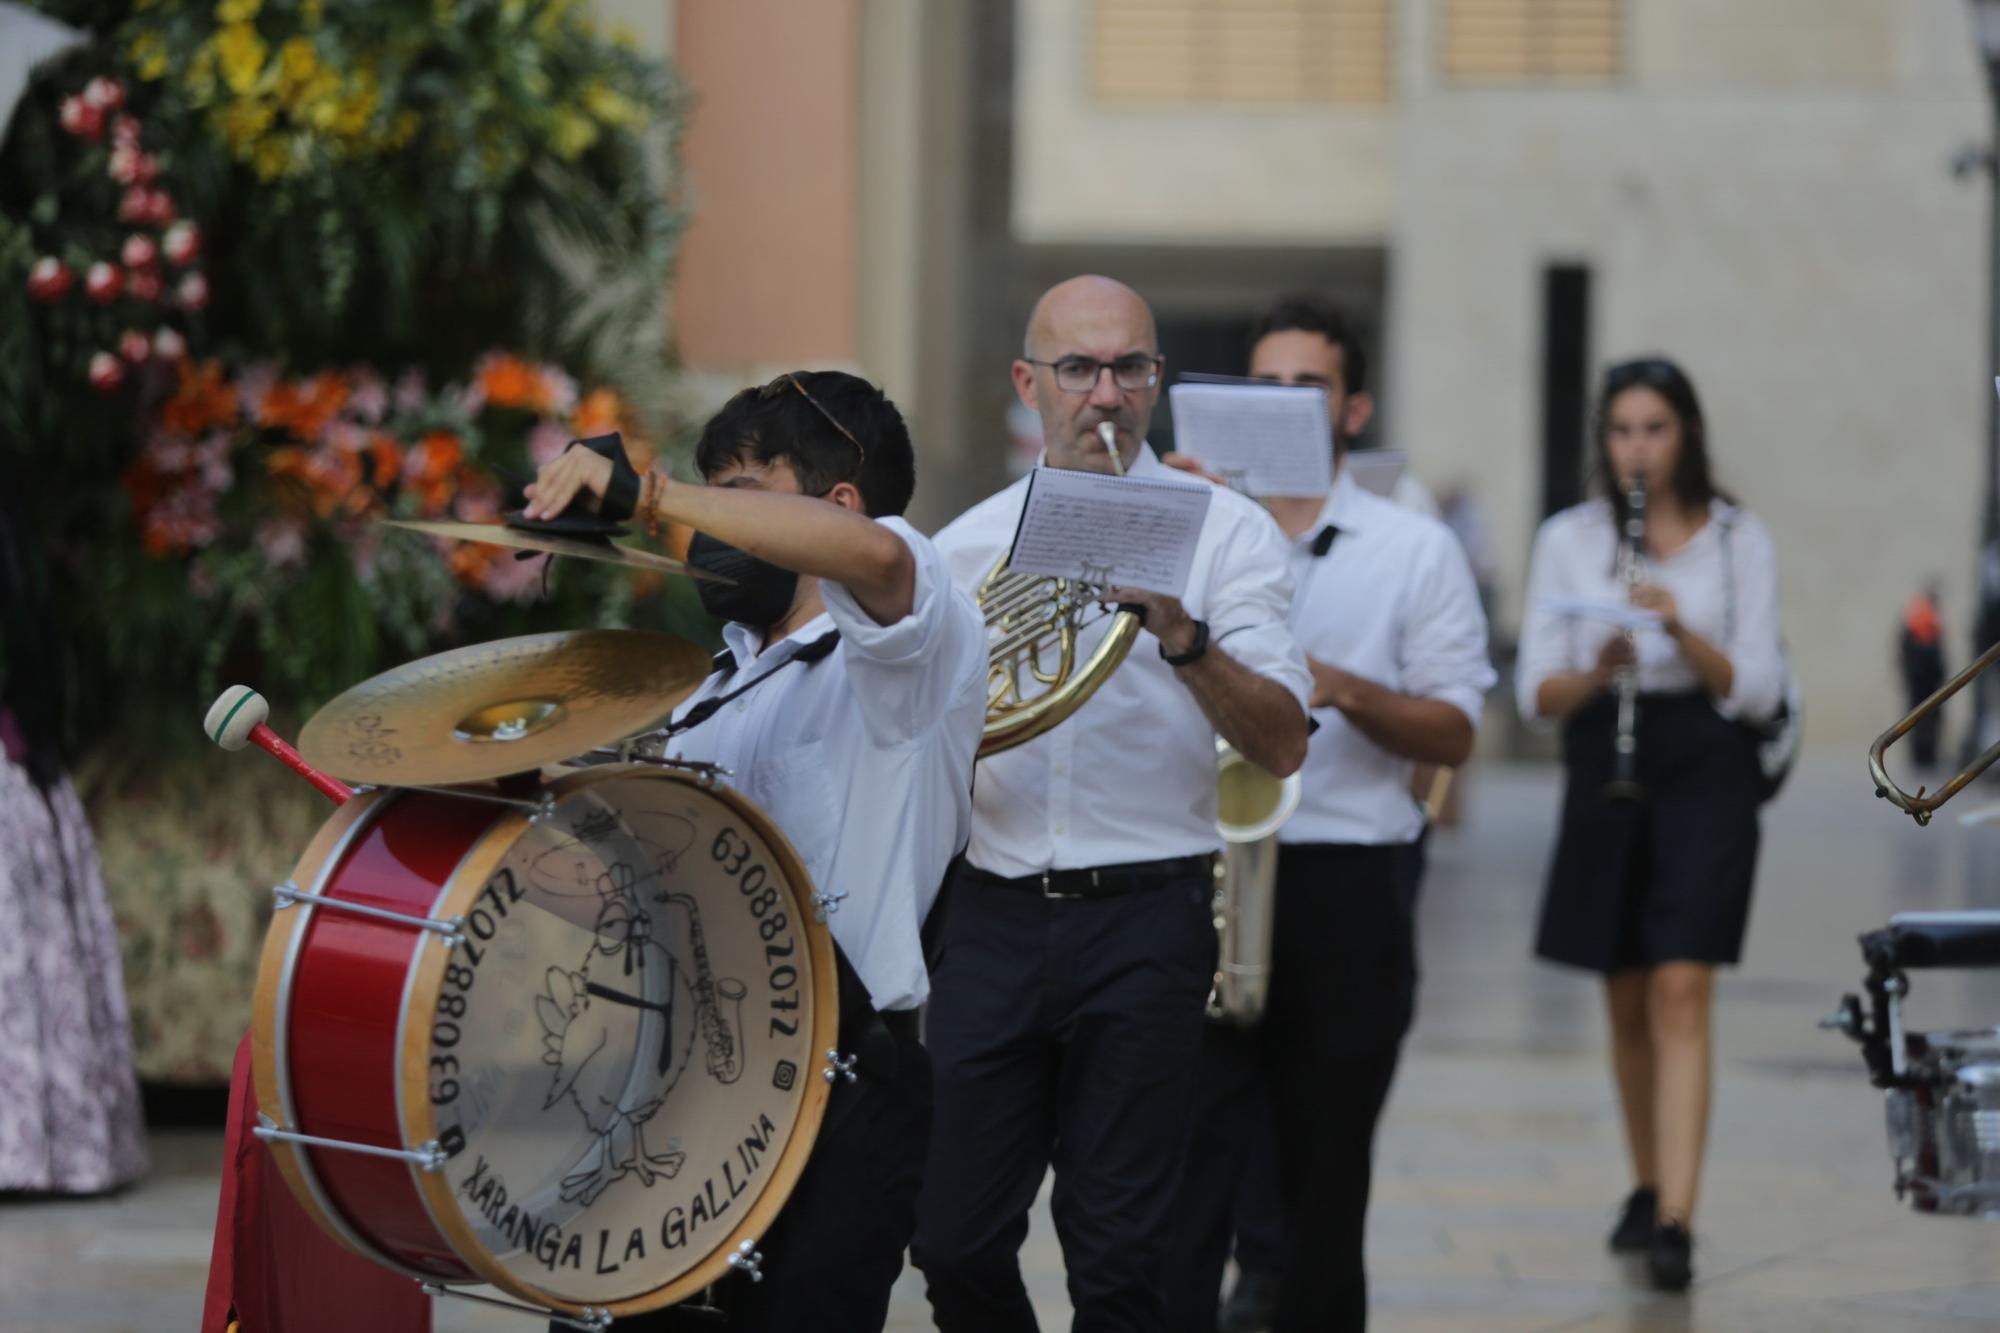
1097, 881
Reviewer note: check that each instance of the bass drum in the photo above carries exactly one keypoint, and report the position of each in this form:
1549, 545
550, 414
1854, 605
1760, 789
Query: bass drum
578, 1055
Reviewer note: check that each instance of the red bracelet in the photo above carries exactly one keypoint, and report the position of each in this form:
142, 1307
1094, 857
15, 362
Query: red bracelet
649, 496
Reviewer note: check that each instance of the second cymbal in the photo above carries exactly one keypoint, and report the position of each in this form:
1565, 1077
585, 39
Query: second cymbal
499, 534
511, 706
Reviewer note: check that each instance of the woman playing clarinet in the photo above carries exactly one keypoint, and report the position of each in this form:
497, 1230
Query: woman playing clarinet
1650, 881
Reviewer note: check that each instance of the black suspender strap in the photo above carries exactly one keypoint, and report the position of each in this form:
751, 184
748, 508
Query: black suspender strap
726, 661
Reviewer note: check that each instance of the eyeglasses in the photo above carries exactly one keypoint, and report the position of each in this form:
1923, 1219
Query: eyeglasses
777, 387
1650, 370
1079, 374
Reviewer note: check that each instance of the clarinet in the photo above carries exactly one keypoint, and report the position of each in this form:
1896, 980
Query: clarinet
1624, 784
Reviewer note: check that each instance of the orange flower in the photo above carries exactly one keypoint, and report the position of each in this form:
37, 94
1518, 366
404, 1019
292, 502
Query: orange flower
385, 458
598, 413
303, 407
204, 399
469, 561
508, 381
431, 470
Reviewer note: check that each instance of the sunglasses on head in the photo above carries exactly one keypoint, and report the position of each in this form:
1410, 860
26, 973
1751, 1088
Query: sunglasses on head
777, 387
1652, 371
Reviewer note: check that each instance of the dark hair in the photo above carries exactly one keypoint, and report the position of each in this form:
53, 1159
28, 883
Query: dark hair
1692, 483
1312, 314
828, 425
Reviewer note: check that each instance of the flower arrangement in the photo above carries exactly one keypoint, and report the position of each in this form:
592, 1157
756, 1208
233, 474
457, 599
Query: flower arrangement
255, 483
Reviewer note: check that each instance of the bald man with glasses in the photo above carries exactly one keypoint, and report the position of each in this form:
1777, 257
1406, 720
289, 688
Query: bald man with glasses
1077, 955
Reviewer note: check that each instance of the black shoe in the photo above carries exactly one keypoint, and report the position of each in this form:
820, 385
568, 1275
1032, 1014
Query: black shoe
1634, 1231
1670, 1261
1250, 1306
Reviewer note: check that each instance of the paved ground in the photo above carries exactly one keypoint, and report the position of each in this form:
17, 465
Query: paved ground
1500, 1161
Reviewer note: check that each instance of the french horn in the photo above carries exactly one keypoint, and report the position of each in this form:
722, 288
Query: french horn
1038, 670
1251, 807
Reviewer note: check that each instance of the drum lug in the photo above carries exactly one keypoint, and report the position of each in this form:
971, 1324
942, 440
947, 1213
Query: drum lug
428, 1157
591, 1319
748, 1260
839, 1066
451, 930
826, 904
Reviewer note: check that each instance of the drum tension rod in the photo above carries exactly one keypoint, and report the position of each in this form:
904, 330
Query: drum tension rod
430, 1156
838, 1066
748, 1260
451, 930
826, 904
592, 1319
538, 809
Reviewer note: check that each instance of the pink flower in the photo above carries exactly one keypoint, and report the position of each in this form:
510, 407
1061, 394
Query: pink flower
134, 346
105, 373
182, 243
104, 94
546, 442
103, 282
470, 398
281, 542
144, 169
48, 279
168, 345
252, 384
511, 580
135, 205
82, 119
144, 284
478, 501
411, 390
346, 436
368, 397
193, 291
159, 208
123, 165
139, 251
562, 389
125, 132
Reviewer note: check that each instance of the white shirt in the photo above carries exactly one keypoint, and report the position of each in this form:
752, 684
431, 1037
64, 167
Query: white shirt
1724, 581
1130, 776
863, 758
1394, 602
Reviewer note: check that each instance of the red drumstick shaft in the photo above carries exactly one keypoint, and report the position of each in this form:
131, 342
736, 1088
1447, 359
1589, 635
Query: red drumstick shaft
263, 736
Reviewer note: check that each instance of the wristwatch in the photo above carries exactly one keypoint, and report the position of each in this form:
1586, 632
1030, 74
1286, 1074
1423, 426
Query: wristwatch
1195, 649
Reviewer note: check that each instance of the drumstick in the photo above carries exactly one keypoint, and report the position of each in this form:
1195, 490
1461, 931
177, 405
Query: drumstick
236, 719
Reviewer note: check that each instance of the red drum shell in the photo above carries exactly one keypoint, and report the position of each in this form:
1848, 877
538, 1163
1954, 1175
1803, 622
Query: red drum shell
342, 985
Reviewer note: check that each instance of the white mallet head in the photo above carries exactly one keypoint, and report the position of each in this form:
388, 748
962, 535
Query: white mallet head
234, 715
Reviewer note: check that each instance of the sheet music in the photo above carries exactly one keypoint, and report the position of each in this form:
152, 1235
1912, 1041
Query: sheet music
1137, 532
1612, 613
1377, 470
1265, 439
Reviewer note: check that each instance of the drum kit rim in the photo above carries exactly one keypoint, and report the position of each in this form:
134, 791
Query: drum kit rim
517, 727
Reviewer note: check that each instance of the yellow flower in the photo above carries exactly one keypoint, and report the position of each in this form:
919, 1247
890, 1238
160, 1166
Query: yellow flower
624, 36
241, 52
296, 65
571, 134
201, 75
272, 157
149, 55
312, 11
613, 108
243, 120
237, 11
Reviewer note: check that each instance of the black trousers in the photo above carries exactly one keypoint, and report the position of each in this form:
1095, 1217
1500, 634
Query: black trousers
837, 1245
1065, 1033
1256, 1213
1343, 984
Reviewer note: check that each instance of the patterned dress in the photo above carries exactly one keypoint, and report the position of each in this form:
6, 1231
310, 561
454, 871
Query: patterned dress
69, 1100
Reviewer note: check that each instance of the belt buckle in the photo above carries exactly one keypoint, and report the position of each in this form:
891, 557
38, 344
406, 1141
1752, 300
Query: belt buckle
1056, 895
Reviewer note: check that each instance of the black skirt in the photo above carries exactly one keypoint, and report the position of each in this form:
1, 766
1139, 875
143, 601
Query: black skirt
1666, 878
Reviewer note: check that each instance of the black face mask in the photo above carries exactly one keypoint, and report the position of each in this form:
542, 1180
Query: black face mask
761, 593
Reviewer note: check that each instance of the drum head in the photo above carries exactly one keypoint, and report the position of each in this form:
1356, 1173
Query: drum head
623, 1059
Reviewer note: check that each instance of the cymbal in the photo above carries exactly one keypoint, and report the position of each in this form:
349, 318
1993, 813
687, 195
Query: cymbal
499, 534
511, 706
